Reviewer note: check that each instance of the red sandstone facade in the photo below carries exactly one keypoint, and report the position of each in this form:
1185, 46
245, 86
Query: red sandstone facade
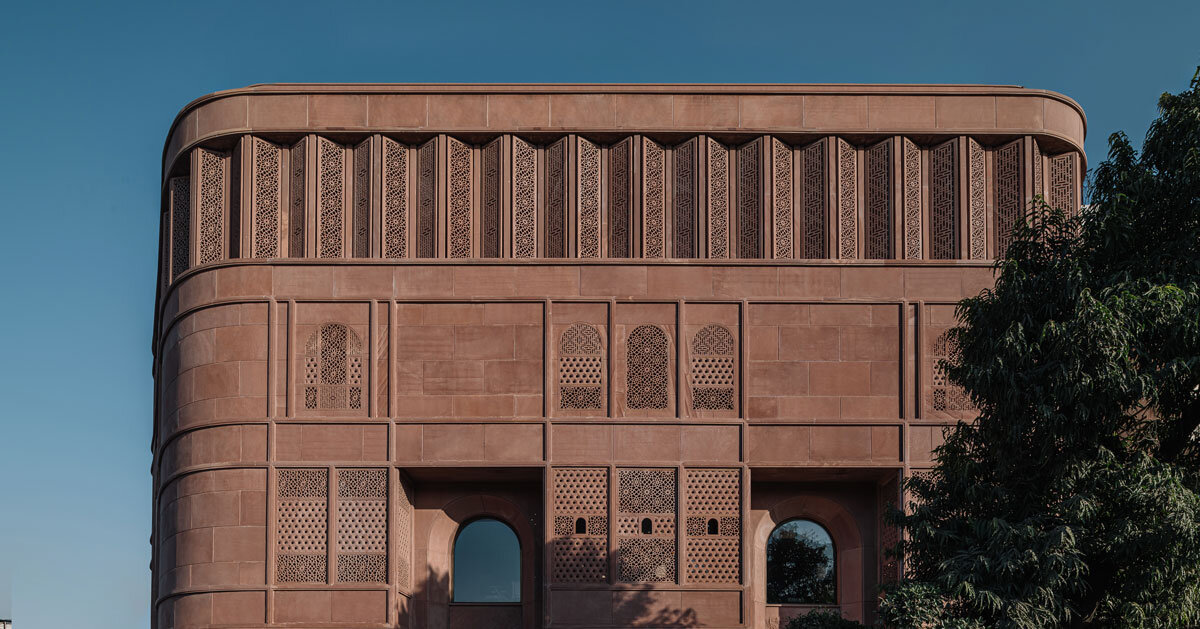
387, 310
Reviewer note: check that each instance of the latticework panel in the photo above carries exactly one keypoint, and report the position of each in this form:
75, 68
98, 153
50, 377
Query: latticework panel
333, 369
712, 499
427, 200
913, 247
977, 200
814, 221
646, 491
360, 229
781, 198
878, 211
1038, 180
404, 535
331, 198
684, 199
301, 516
1062, 183
395, 199
179, 200
718, 200
620, 199
296, 199
750, 199
580, 544
556, 197
581, 368
524, 199
646, 559
713, 371
654, 211
646, 506
1009, 190
889, 535
234, 241
847, 158
588, 204
647, 368
943, 202
361, 533
458, 199
266, 213
210, 223
489, 201
943, 395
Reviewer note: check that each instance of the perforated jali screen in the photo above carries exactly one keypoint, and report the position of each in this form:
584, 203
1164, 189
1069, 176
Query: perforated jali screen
646, 512
580, 542
714, 525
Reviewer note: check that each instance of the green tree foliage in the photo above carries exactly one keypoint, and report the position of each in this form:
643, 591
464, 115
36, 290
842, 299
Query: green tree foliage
822, 619
799, 569
1073, 500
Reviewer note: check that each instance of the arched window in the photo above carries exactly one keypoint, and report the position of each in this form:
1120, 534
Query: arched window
487, 563
801, 569
333, 369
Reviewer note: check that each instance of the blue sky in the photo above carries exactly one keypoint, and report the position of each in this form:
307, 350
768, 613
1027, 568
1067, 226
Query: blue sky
90, 89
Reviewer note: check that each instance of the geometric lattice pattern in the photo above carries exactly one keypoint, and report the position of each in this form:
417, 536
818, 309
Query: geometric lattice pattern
684, 199
646, 491
301, 515
333, 369
750, 199
1062, 183
395, 199
713, 369
404, 535
878, 211
211, 221
331, 198
588, 202
426, 234
781, 168
360, 228
647, 368
580, 508
459, 199
646, 560
362, 525
943, 202
646, 501
556, 245
489, 201
581, 368
296, 199
1008, 193
977, 198
718, 200
654, 219
181, 225
712, 499
943, 395
620, 199
847, 158
524, 199
912, 200
268, 177
815, 223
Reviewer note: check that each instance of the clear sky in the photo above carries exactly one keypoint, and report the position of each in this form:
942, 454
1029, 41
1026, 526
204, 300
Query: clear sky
89, 89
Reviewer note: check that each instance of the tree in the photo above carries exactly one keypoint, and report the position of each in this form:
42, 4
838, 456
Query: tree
1072, 501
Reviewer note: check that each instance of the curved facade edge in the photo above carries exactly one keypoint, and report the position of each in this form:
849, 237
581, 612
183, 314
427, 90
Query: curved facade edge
830, 109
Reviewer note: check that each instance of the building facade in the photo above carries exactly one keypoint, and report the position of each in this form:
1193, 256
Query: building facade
566, 355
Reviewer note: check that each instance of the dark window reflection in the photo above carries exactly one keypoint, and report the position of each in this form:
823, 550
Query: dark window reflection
487, 564
800, 564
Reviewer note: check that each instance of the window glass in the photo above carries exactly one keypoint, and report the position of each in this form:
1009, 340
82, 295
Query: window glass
487, 563
800, 564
